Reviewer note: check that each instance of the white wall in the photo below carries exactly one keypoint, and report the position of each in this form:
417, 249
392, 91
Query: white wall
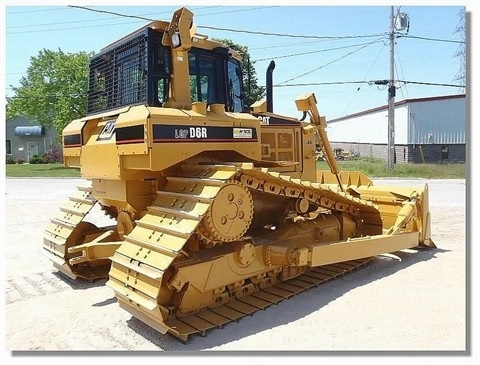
370, 128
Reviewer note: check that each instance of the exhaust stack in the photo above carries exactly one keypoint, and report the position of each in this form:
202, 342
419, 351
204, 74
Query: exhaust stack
269, 85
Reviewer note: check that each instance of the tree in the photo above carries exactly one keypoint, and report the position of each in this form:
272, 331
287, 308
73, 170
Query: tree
54, 91
461, 52
252, 91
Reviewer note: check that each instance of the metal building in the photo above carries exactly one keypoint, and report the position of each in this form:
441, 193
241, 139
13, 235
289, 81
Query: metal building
426, 130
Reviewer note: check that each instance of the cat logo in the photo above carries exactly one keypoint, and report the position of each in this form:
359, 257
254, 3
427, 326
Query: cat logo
264, 120
107, 131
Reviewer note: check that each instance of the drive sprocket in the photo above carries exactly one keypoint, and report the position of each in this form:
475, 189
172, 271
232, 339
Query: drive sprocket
230, 214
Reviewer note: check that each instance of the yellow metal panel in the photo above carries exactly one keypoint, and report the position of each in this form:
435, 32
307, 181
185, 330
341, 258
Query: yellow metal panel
100, 161
70, 152
136, 115
134, 159
134, 149
74, 127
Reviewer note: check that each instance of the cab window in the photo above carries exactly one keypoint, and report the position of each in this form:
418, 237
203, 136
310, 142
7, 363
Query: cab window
234, 87
202, 78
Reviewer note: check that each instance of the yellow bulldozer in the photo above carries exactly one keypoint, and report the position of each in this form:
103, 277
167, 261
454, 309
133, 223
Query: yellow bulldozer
217, 208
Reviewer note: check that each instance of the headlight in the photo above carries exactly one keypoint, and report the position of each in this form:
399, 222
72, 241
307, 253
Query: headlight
175, 39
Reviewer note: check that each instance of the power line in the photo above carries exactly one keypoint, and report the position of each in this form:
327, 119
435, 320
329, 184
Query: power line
93, 20
148, 19
430, 83
370, 69
236, 11
288, 35
329, 63
218, 28
397, 61
322, 83
112, 13
430, 39
283, 45
371, 82
269, 58
233, 30
70, 28
312, 52
35, 11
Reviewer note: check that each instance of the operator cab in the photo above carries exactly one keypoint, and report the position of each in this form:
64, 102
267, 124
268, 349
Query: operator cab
138, 69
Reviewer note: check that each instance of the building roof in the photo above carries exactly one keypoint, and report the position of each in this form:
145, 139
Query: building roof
398, 103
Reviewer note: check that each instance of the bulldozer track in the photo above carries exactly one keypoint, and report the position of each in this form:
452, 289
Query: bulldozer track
62, 226
238, 308
137, 274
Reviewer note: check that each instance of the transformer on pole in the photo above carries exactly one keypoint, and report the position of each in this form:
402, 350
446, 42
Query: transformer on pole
399, 22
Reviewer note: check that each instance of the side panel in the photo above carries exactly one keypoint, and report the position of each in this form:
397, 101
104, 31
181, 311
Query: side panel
179, 135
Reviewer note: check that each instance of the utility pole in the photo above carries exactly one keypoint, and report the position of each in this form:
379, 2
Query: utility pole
391, 98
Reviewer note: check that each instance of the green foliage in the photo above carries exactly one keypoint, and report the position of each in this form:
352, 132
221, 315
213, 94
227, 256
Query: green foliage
41, 170
36, 159
373, 167
253, 92
54, 91
53, 156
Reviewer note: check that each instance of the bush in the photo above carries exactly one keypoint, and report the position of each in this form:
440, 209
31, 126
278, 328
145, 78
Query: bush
53, 156
36, 159
10, 160
20, 161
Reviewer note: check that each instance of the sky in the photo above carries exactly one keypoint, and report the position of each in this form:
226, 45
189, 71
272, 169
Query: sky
337, 52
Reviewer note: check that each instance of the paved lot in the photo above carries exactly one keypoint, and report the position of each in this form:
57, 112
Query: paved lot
411, 301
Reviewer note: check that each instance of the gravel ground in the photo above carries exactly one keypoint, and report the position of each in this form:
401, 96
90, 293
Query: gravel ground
410, 303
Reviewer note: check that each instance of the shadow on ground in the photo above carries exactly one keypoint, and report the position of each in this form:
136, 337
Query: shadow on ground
292, 309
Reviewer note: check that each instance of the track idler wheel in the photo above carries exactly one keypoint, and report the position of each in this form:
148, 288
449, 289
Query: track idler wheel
124, 225
230, 214
85, 232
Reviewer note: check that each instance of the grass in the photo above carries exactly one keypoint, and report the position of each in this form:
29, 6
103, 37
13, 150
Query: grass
40, 170
370, 167
378, 168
